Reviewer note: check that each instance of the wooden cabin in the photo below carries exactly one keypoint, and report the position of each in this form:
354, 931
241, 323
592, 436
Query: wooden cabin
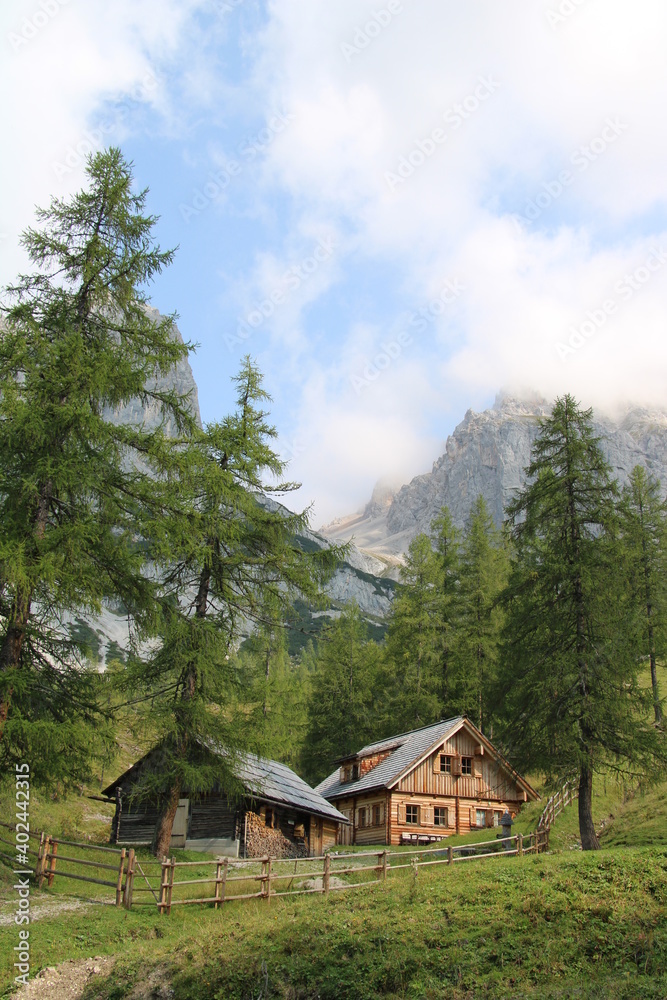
422, 786
278, 814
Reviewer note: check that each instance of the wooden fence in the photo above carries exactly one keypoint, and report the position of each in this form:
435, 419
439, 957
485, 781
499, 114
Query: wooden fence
165, 883
555, 805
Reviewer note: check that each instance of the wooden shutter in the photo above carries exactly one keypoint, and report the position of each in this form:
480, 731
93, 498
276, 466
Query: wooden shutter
426, 816
456, 765
473, 818
401, 812
436, 763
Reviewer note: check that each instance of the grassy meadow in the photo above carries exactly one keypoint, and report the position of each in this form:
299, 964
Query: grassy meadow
564, 924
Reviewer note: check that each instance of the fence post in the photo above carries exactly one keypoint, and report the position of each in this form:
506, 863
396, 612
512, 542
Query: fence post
218, 882
519, 844
39, 867
170, 887
129, 880
327, 874
268, 880
119, 880
385, 865
450, 855
52, 863
163, 885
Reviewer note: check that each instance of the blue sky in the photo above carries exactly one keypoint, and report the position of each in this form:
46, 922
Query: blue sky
397, 207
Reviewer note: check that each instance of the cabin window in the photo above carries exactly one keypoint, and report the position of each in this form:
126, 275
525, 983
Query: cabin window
496, 817
412, 814
440, 816
363, 816
481, 818
378, 816
268, 817
466, 765
445, 763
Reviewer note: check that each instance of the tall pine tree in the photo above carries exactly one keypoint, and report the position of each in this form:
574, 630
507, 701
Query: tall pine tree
484, 563
643, 515
77, 340
227, 552
572, 702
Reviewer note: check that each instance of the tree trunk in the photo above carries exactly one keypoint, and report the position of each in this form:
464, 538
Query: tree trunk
10, 651
165, 821
12, 644
589, 840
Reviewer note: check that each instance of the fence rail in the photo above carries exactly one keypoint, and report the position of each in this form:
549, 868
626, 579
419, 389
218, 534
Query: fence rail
555, 805
230, 879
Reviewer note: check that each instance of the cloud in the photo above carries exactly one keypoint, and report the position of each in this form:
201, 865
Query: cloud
580, 96
78, 73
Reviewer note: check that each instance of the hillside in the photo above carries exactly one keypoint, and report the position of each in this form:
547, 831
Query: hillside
487, 454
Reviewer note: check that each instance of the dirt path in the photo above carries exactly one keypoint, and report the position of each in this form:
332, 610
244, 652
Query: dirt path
48, 908
67, 981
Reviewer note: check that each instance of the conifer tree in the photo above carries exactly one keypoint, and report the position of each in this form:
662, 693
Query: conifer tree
447, 556
227, 553
413, 638
572, 702
76, 342
483, 575
346, 705
643, 517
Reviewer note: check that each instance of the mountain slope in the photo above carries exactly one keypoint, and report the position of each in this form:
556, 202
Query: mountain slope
487, 454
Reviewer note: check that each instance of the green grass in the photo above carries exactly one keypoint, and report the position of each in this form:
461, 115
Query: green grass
574, 925
561, 925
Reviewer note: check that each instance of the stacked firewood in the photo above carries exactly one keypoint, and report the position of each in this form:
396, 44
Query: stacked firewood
262, 840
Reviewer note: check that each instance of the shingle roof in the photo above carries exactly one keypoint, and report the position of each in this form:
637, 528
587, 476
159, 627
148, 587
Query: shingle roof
265, 779
270, 780
409, 748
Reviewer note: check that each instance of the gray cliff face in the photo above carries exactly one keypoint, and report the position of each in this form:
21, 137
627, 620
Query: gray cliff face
149, 413
488, 453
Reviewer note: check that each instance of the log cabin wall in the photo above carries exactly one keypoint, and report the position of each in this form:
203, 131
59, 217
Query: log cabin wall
368, 818
465, 801
212, 816
488, 779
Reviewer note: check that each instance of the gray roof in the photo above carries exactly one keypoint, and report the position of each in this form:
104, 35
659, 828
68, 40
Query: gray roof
263, 779
267, 779
409, 748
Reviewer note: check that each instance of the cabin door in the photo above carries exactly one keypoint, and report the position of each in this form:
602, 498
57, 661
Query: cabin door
179, 831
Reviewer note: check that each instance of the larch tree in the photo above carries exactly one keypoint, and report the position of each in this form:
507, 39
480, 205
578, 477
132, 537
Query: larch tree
346, 705
571, 698
413, 638
76, 342
229, 550
643, 523
483, 574
447, 558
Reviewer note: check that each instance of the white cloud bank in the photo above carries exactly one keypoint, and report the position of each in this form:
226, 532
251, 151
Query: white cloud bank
521, 147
